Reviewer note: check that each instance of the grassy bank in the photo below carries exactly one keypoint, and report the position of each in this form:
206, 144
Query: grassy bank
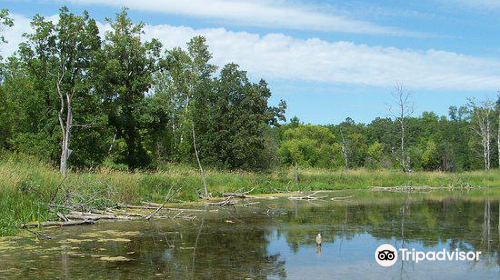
28, 185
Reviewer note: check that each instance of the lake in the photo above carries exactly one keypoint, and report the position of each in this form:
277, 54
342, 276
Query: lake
275, 239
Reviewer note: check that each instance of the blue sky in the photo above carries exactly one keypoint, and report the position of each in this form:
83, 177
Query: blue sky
328, 59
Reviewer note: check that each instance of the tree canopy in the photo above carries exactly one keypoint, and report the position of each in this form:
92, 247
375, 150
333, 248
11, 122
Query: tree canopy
128, 103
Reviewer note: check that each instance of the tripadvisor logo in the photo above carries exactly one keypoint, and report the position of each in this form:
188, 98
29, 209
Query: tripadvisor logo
387, 255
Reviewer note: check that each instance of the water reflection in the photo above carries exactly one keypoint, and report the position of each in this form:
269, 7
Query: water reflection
281, 243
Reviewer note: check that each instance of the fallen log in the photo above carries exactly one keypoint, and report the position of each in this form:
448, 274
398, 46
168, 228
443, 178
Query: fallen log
62, 224
95, 217
150, 215
226, 202
129, 214
307, 197
151, 207
237, 195
122, 205
150, 204
81, 217
62, 217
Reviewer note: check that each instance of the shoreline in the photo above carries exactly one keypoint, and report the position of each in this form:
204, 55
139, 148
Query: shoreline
32, 191
188, 210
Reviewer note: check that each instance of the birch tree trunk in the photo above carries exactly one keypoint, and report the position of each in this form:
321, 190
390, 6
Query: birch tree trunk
199, 162
66, 124
482, 119
405, 109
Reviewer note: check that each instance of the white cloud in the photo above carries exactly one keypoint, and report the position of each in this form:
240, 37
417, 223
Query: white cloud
14, 34
277, 56
260, 13
282, 57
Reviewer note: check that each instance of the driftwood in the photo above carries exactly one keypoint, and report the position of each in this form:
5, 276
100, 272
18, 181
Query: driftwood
226, 202
62, 217
150, 215
238, 195
122, 205
151, 206
90, 217
62, 224
95, 217
307, 197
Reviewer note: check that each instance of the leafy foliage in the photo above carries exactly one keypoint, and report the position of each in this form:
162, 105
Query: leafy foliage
138, 106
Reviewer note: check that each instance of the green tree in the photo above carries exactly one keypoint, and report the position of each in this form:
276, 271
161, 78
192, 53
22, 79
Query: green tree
309, 146
235, 133
126, 76
49, 89
77, 43
375, 155
430, 157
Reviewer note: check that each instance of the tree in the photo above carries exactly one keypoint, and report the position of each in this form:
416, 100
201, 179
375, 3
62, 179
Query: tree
5, 22
375, 154
172, 87
481, 118
309, 146
401, 113
430, 157
126, 76
233, 119
201, 72
76, 47
185, 83
57, 60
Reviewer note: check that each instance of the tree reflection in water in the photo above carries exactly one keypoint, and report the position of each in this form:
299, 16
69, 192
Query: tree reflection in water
255, 243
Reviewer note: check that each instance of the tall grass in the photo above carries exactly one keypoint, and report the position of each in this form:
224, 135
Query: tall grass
28, 185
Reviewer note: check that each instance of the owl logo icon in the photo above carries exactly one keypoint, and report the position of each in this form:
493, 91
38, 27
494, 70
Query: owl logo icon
386, 255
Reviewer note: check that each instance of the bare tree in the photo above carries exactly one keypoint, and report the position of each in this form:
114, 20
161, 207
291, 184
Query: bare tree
481, 118
400, 114
66, 123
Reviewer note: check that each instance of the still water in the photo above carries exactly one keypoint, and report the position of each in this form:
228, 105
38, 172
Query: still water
275, 239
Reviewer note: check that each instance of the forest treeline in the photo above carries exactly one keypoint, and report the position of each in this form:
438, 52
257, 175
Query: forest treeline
82, 100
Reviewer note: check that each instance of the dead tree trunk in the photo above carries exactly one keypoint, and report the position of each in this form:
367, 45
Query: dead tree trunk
482, 120
199, 162
66, 124
405, 109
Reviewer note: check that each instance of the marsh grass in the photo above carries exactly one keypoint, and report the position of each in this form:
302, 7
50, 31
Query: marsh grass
28, 185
